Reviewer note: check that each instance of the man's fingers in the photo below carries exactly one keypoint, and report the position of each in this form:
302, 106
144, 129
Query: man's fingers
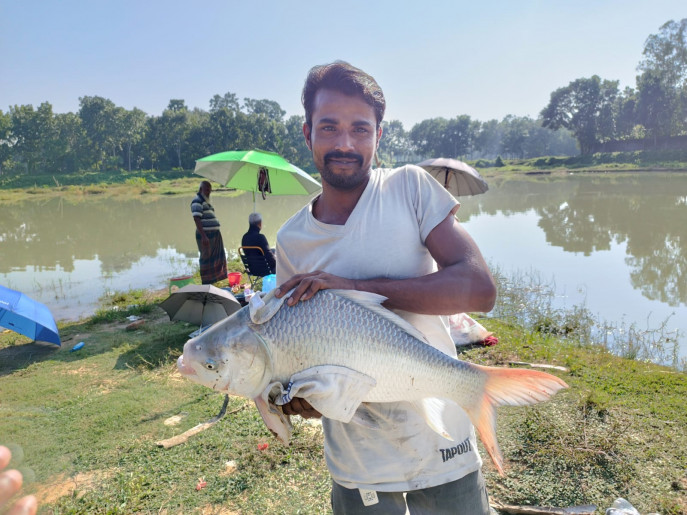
5, 456
299, 406
10, 483
25, 506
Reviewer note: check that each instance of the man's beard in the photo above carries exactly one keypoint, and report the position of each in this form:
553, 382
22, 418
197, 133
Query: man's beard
343, 182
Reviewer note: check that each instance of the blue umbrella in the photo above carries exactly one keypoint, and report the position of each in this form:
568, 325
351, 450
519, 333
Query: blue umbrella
26, 316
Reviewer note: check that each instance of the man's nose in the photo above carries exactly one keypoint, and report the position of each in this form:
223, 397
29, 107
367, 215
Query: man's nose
344, 141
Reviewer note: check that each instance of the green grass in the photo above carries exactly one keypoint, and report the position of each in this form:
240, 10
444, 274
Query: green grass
87, 423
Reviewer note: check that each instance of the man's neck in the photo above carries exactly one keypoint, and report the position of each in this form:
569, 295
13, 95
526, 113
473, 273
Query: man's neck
334, 206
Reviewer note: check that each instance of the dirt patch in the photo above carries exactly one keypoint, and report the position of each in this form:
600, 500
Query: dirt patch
66, 485
82, 370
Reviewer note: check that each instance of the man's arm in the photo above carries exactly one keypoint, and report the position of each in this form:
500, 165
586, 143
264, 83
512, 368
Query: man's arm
199, 226
463, 282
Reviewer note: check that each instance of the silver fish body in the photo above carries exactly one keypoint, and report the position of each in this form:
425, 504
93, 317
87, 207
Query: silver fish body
271, 342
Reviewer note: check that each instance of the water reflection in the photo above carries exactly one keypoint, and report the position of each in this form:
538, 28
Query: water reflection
587, 214
69, 254
53, 234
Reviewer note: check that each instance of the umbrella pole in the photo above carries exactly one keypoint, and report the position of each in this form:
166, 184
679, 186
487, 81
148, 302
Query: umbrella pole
254, 209
202, 312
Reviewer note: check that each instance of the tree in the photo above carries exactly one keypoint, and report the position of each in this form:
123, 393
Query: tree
427, 136
176, 105
516, 132
395, 145
102, 121
488, 138
227, 101
34, 131
294, 148
7, 140
134, 125
657, 105
459, 137
662, 85
269, 108
67, 150
665, 53
175, 128
585, 107
626, 113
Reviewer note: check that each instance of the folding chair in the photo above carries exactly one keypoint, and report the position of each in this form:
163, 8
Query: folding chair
255, 264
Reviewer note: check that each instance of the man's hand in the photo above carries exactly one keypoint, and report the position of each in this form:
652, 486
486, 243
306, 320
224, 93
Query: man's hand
301, 407
10, 483
306, 285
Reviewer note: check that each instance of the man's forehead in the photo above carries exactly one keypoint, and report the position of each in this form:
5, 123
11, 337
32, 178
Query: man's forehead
334, 105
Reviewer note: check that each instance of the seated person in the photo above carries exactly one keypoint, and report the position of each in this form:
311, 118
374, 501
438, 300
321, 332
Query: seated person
253, 238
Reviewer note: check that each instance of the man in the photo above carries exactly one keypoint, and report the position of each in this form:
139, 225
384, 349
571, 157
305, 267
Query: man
253, 238
390, 232
213, 260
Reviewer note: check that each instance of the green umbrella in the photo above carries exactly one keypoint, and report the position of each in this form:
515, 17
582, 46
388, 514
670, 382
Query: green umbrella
256, 170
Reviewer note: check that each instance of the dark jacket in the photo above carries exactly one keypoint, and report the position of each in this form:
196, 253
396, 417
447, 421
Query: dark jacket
253, 238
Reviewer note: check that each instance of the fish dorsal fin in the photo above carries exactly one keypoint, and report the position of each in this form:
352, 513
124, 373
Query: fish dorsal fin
373, 302
262, 309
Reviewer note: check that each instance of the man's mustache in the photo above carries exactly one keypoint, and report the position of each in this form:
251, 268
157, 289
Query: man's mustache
337, 154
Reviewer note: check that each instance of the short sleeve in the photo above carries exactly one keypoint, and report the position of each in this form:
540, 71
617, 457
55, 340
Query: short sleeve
430, 199
196, 208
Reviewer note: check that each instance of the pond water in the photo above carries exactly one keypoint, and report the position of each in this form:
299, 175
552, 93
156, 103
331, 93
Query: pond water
616, 243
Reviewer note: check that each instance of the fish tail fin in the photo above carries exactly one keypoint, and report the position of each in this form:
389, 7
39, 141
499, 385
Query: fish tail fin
508, 386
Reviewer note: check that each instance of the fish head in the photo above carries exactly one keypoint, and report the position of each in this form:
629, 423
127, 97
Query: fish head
229, 357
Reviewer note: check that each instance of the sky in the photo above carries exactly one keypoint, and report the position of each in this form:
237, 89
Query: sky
486, 59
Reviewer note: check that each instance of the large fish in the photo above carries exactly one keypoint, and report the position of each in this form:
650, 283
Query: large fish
345, 330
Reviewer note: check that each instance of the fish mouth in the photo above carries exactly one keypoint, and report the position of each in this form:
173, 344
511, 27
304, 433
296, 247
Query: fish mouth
183, 368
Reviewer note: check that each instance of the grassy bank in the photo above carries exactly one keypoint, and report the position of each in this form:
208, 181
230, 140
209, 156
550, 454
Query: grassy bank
86, 423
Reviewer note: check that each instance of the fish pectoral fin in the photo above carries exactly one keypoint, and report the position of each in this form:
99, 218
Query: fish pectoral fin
262, 309
333, 390
432, 410
275, 419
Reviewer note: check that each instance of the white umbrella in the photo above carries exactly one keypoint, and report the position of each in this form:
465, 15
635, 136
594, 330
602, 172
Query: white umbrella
457, 177
201, 304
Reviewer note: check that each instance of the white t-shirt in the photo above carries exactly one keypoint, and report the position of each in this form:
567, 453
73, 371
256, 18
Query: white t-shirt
384, 237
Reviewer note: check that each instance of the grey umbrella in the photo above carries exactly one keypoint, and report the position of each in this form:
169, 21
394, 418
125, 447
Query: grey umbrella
457, 177
201, 304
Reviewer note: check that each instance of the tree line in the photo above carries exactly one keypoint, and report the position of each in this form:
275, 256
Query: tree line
578, 117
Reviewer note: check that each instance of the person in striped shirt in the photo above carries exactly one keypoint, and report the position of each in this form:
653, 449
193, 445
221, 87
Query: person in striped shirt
213, 259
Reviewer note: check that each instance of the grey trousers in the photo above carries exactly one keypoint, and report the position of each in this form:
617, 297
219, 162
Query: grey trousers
465, 496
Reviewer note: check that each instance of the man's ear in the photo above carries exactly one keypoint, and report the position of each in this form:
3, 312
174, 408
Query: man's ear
306, 133
379, 134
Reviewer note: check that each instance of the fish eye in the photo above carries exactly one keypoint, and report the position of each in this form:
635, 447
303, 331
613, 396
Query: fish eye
210, 365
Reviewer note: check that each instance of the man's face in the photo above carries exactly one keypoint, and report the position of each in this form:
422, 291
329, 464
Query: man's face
206, 189
343, 138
